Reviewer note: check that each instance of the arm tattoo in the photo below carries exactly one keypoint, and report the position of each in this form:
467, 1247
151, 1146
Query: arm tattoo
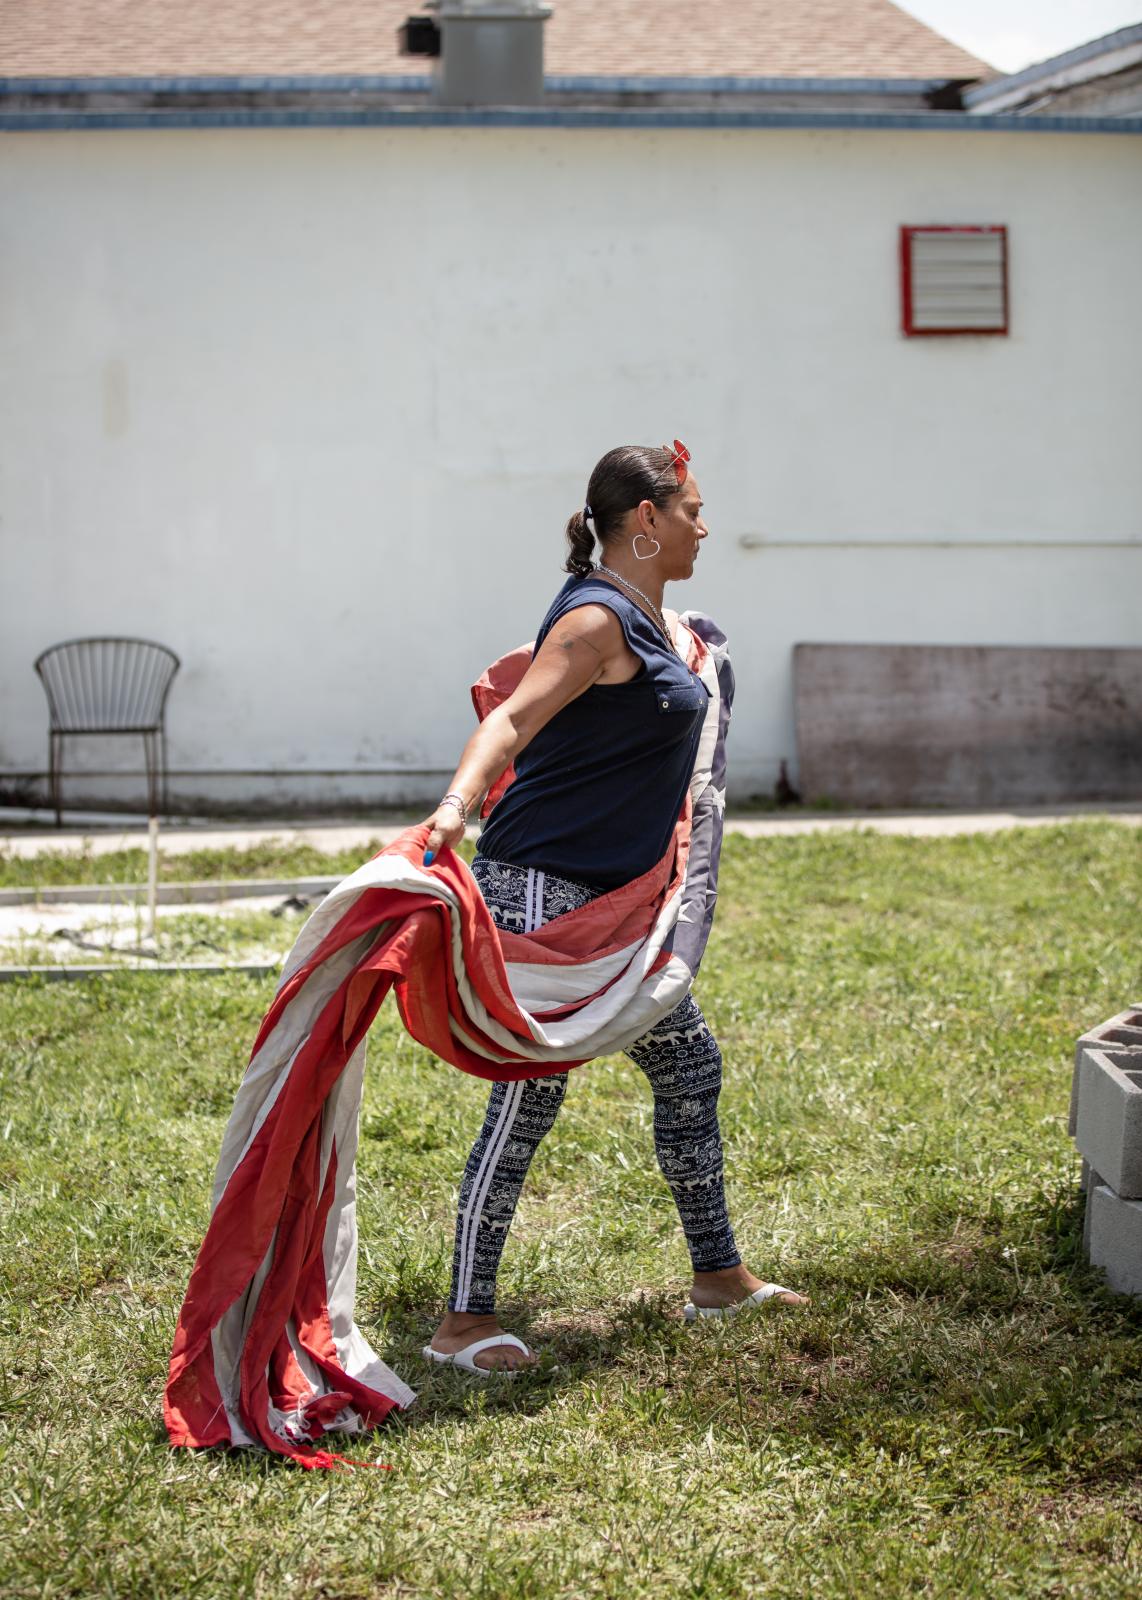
569, 641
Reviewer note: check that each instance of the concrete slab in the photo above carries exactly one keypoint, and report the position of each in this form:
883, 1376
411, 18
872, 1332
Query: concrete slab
76, 935
40, 919
967, 725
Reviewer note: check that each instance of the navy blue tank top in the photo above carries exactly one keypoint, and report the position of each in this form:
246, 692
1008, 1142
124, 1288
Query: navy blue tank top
598, 790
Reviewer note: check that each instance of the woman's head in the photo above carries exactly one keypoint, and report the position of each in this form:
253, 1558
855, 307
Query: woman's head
628, 486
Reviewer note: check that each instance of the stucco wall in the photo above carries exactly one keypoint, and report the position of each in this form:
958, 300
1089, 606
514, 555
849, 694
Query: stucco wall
312, 407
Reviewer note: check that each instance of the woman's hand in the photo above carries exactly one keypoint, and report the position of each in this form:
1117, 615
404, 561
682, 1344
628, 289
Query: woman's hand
446, 827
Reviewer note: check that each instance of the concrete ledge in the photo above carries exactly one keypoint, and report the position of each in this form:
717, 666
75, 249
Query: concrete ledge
1109, 1132
1123, 1030
1116, 1240
77, 973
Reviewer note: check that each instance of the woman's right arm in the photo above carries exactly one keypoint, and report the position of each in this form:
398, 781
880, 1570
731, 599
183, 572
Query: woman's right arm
583, 647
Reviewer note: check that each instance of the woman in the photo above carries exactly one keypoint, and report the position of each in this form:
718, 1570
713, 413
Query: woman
603, 731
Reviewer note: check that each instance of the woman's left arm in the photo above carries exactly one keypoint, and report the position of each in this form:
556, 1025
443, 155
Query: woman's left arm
575, 654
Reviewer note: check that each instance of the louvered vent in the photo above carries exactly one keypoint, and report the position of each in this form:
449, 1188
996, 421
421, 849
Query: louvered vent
953, 280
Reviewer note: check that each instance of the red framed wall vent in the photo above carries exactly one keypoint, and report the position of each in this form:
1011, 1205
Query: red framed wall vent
953, 281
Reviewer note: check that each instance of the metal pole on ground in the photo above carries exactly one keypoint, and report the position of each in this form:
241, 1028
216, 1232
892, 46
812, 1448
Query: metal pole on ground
152, 875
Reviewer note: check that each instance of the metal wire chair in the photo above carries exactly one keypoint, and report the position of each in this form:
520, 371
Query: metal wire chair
108, 686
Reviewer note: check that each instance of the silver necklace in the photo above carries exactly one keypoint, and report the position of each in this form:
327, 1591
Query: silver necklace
634, 589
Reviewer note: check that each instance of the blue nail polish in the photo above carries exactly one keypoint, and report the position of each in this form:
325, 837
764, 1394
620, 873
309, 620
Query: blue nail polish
428, 855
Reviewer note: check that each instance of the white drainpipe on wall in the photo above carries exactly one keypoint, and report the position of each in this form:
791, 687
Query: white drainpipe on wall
491, 52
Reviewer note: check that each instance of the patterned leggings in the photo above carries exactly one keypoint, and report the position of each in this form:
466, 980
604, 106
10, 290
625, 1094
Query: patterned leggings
680, 1058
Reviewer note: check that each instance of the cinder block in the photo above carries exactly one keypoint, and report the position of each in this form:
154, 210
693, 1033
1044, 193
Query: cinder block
1125, 1029
1089, 1183
1109, 1123
1116, 1239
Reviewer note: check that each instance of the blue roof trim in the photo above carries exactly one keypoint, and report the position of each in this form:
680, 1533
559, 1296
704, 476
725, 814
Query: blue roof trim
345, 82
1046, 69
686, 85
241, 84
545, 117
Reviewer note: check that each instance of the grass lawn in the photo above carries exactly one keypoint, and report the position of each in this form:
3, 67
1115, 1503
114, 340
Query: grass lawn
270, 858
957, 1415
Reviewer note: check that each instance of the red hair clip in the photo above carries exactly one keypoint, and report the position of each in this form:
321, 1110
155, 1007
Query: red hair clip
678, 459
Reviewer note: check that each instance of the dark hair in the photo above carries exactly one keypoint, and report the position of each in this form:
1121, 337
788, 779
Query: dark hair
623, 479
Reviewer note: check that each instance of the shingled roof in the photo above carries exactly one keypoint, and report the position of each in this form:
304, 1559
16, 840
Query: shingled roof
590, 38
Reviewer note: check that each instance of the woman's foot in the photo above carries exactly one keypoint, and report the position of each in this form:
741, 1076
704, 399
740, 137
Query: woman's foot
459, 1329
732, 1285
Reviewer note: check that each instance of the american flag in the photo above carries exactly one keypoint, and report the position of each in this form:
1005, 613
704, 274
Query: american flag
267, 1351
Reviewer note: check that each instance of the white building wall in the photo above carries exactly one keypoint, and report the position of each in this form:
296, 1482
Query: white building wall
312, 407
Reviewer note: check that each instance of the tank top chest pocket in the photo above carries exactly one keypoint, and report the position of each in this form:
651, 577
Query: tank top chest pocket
689, 696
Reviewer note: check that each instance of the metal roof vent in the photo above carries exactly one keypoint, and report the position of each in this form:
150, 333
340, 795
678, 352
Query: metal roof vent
491, 52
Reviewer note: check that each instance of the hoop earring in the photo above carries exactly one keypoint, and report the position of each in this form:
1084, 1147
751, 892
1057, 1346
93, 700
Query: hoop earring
652, 554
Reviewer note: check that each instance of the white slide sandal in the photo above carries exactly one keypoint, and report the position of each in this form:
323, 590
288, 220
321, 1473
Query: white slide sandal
465, 1358
719, 1313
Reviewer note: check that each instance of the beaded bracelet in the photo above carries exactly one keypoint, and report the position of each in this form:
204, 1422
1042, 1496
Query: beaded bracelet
457, 800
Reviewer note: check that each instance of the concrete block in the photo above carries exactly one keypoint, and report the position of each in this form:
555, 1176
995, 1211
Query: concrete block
1123, 1030
1109, 1123
1116, 1239
1089, 1182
